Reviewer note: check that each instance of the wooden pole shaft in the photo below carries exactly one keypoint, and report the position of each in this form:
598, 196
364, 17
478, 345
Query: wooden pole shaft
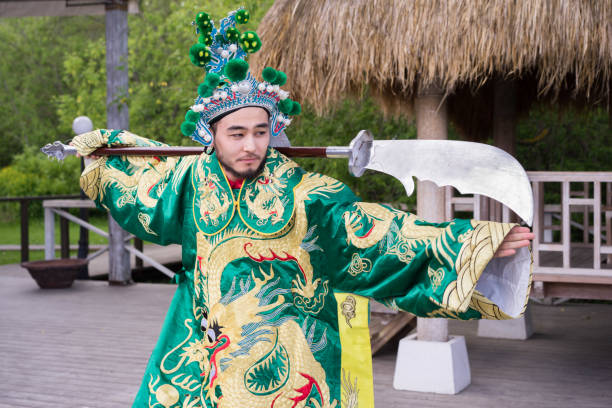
190, 151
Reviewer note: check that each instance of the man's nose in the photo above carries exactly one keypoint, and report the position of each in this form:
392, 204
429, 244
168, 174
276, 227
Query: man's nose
249, 144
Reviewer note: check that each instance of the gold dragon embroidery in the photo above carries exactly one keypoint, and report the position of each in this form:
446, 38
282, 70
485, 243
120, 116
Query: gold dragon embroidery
247, 355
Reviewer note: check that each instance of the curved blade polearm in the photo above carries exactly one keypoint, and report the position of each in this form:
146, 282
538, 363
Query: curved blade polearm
472, 168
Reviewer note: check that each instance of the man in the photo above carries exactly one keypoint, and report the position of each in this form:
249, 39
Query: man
271, 308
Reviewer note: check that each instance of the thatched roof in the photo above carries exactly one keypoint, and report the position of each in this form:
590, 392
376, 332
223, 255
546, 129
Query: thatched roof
329, 48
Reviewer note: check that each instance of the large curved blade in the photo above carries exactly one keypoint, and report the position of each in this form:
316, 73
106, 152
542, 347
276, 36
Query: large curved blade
472, 168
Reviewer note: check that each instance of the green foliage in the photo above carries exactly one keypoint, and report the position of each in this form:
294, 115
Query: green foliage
31, 174
338, 129
569, 140
33, 51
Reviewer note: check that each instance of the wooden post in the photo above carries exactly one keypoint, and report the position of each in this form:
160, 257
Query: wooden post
504, 128
117, 117
49, 234
504, 115
64, 239
25, 233
432, 123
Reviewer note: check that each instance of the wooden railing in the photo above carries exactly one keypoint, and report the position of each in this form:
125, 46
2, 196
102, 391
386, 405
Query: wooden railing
565, 264
24, 211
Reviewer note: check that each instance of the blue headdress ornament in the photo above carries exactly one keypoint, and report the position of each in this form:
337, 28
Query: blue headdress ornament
228, 84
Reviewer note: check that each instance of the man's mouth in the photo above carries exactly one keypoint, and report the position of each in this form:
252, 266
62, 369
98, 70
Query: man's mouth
250, 159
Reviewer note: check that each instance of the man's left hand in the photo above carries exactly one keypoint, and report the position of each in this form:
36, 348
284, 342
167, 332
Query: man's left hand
518, 237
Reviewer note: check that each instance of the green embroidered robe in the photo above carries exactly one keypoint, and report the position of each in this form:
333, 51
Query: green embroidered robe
271, 308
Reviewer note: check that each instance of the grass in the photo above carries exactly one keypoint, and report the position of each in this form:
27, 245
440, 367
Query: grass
10, 234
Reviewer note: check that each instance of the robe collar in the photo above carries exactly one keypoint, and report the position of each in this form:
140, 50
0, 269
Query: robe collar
265, 204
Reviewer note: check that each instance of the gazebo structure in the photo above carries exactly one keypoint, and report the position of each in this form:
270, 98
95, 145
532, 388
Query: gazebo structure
477, 63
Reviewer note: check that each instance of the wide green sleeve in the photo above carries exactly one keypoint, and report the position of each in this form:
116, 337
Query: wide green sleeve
147, 196
429, 269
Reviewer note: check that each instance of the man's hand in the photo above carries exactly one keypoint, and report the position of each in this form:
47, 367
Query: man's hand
89, 157
518, 237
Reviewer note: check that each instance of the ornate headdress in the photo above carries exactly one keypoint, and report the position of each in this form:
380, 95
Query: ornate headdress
228, 84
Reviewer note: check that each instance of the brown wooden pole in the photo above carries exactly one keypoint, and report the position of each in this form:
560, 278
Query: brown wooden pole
25, 233
139, 246
191, 151
64, 238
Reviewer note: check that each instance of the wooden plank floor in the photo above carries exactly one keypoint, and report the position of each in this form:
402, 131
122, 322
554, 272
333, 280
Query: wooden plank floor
87, 346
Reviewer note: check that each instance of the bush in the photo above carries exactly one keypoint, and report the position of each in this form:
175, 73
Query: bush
31, 173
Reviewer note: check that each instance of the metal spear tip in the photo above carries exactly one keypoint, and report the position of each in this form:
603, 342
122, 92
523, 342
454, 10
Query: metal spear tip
58, 150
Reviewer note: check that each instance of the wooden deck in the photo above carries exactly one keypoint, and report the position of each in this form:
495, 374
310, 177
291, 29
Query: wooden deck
87, 346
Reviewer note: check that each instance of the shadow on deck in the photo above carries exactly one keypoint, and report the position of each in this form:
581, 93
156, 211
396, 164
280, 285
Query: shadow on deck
87, 346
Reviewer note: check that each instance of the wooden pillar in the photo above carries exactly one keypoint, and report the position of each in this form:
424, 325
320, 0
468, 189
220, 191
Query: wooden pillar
505, 115
432, 123
504, 129
117, 117
49, 233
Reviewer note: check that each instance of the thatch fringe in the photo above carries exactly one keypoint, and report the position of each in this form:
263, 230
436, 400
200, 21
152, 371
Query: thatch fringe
328, 48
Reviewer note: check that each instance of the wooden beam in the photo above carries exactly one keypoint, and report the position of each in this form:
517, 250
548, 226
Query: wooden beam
578, 290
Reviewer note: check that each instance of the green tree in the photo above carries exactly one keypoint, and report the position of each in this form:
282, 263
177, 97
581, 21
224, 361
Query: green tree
31, 69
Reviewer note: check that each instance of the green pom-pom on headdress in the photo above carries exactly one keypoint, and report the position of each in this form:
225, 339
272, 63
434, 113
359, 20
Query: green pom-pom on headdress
187, 128
192, 116
281, 78
199, 54
285, 106
201, 17
206, 39
236, 69
296, 108
204, 22
232, 34
212, 80
269, 74
242, 16
250, 42
204, 90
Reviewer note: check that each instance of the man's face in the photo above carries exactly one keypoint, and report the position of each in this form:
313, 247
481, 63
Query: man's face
241, 141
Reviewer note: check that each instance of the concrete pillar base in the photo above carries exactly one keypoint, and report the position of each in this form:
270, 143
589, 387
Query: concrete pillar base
515, 329
432, 366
